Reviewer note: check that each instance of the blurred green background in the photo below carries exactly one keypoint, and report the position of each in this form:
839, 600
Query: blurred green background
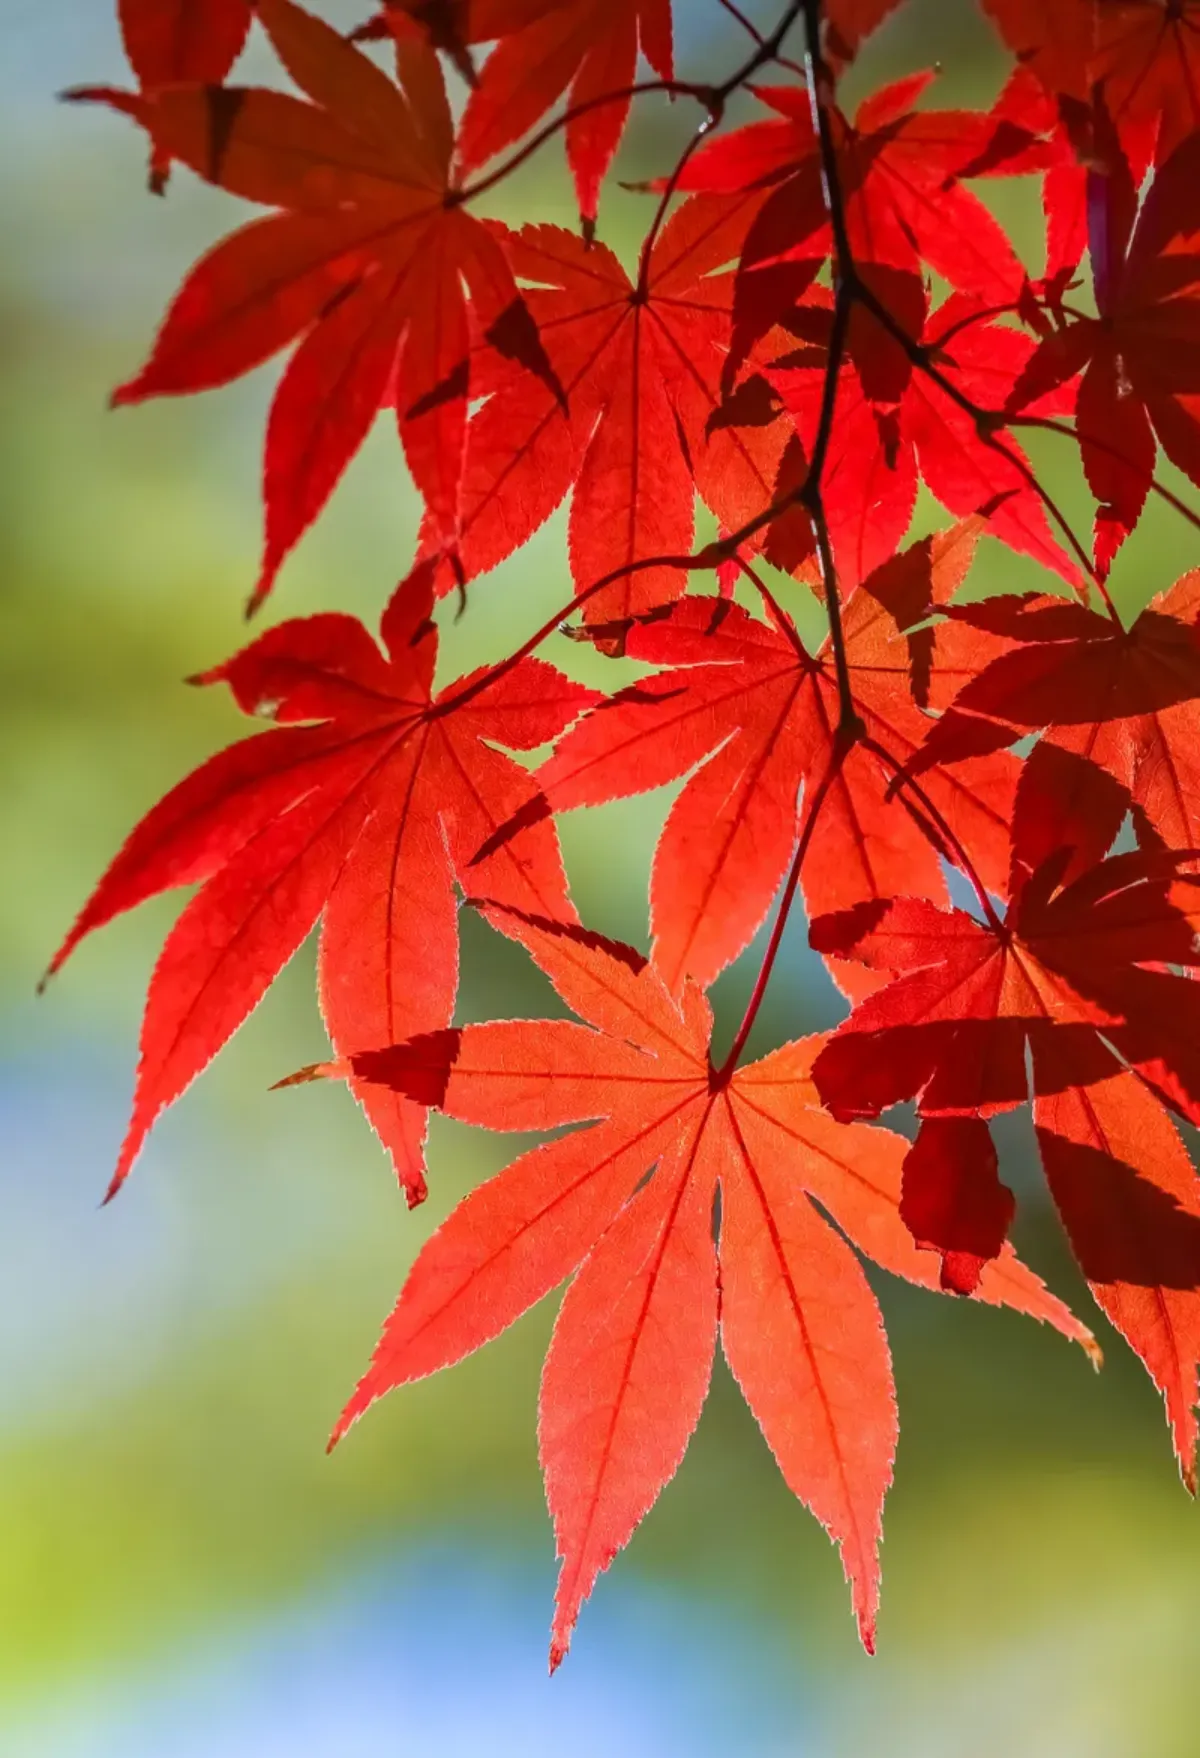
182, 1571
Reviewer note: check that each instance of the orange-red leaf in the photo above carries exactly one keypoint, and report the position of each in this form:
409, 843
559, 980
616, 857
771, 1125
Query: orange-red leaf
759, 714
367, 267
631, 1200
364, 819
626, 418
585, 49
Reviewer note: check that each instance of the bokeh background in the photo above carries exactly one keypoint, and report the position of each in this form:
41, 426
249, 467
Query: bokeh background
183, 1573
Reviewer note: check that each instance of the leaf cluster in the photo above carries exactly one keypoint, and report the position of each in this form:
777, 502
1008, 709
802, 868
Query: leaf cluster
824, 317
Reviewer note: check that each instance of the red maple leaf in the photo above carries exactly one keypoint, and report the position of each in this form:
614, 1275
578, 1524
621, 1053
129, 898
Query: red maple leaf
1054, 42
587, 49
899, 175
1143, 56
629, 1364
636, 430
363, 818
1117, 709
365, 266
453, 26
1079, 977
759, 714
1147, 62
895, 421
1140, 357
169, 42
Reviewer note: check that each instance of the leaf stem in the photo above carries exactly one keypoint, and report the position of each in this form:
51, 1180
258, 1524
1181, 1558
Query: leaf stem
783, 622
483, 680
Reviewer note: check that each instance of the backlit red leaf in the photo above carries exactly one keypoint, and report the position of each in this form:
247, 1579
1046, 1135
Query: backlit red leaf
365, 268
362, 819
629, 1364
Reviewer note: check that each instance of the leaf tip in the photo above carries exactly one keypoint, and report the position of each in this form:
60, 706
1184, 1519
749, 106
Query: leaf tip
360, 1401
259, 596
314, 1071
115, 1182
415, 1189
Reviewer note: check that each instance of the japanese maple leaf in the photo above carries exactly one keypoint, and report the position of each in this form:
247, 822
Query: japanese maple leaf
1073, 973
759, 715
362, 818
1125, 1187
629, 1364
1055, 42
640, 370
1147, 61
1071, 138
895, 422
587, 49
365, 264
898, 166
1143, 55
168, 42
1119, 710
1140, 357
1074, 961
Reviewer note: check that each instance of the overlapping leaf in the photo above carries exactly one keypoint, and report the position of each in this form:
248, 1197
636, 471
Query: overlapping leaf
169, 42
587, 49
895, 421
759, 715
1078, 977
1140, 357
1142, 55
362, 818
1118, 709
904, 204
629, 1364
639, 363
366, 265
